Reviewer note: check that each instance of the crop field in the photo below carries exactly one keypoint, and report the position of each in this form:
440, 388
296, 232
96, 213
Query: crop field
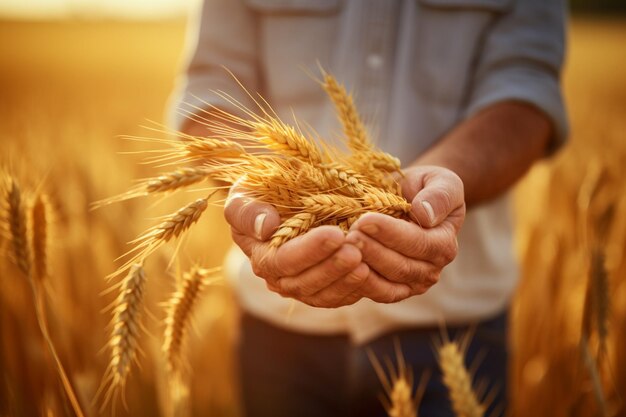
69, 91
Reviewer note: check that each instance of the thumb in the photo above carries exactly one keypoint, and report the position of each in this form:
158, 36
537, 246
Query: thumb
251, 217
442, 194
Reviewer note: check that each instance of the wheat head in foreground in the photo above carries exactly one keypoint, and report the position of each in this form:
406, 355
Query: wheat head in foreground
126, 327
459, 382
401, 398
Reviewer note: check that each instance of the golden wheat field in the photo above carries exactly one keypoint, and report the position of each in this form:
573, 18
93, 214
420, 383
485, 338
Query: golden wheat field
70, 89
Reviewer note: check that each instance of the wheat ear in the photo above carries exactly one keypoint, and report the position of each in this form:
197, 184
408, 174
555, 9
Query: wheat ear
39, 237
171, 226
597, 305
344, 179
179, 310
17, 227
126, 327
348, 115
399, 399
459, 382
332, 206
385, 202
19, 239
292, 227
283, 138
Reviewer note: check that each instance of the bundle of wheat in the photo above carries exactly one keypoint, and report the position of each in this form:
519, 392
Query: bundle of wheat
310, 184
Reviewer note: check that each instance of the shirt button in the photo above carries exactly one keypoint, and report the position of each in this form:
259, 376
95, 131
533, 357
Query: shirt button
375, 61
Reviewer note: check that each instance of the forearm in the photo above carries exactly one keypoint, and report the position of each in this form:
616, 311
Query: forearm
493, 149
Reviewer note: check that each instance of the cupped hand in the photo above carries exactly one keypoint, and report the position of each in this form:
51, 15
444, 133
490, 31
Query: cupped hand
318, 268
411, 255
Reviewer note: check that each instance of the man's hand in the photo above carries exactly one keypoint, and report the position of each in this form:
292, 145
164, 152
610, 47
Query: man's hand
318, 268
410, 253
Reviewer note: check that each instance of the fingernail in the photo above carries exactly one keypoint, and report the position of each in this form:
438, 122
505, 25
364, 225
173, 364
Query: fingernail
429, 211
258, 225
331, 245
370, 229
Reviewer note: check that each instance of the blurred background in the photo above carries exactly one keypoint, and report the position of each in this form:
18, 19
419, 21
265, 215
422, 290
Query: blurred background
75, 75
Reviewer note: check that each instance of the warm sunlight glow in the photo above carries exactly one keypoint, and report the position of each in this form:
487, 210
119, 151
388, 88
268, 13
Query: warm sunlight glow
44, 9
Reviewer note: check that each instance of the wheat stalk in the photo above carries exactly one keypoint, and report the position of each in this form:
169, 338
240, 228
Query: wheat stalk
456, 377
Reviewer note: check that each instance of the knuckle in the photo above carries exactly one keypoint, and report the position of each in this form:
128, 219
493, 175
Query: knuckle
431, 278
260, 267
276, 288
448, 253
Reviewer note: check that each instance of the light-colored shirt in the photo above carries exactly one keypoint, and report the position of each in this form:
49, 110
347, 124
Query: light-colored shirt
417, 68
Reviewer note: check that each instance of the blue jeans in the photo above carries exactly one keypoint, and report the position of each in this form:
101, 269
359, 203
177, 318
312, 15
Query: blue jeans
290, 374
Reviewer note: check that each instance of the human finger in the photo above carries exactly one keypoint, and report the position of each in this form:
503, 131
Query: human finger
393, 266
297, 255
251, 217
435, 193
322, 275
437, 245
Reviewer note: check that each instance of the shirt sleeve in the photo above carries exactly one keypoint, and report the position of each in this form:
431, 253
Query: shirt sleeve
521, 60
222, 40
